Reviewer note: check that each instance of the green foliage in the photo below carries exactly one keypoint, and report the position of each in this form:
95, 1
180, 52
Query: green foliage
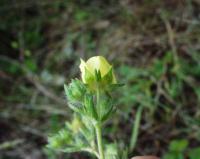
178, 149
160, 85
136, 85
107, 107
111, 151
82, 100
81, 15
92, 107
163, 78
75, 136
178, 145
31, 65
42, 40
194, 153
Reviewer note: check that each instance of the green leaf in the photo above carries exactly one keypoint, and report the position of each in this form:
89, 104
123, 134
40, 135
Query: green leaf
31, 64
72, 149
59, 140
111, 151
169, 156
77, 107
194, 153
178, 145
158, 68
75, 91
135, 129
81, 15
106, 106
97, 75
89, 106
173, 155
108, 114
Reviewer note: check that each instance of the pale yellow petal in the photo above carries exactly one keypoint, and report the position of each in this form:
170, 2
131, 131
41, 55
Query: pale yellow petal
98, 63
82, 68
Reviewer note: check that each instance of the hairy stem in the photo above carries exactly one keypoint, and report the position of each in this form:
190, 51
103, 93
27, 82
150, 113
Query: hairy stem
99, 141
98, 127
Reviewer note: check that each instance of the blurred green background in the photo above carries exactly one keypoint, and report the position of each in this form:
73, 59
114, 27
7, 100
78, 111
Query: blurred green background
153, 45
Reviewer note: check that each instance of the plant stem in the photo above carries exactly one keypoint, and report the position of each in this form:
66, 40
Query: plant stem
99, 141
98, 126
135, 129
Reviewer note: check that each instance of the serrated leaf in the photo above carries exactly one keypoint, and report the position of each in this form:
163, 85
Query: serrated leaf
71, 149
89, 106
109, 112
75, 107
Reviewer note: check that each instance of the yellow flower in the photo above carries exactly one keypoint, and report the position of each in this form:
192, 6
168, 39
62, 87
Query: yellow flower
96, 69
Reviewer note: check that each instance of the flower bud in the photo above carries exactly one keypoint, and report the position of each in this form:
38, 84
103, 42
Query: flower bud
97, 69
75, 91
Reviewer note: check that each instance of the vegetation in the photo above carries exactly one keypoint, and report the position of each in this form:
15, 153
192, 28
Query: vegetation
154, 48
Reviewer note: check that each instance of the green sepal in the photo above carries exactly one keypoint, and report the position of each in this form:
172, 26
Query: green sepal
108, 78
97, 75
113, 87
89, 78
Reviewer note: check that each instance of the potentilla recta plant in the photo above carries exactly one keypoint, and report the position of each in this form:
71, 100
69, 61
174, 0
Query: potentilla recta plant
91, 101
